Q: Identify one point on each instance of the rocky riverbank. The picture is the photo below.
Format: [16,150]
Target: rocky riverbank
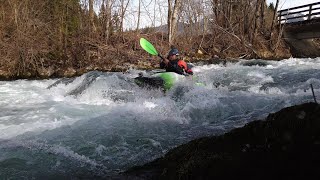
[128,54]
[285,145]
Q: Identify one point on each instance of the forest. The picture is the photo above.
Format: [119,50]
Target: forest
[62,38]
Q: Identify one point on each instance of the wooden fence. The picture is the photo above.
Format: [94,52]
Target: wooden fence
[299,13]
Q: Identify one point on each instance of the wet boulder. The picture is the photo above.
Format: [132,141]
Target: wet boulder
[284,145]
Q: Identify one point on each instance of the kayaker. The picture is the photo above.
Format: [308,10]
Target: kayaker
[175,64]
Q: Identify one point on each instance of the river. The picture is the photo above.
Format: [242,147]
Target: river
[102,123]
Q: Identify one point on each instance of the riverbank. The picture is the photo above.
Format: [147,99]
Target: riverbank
[123,56]
[285,145]
[125,53]
[142,61]
[41,40]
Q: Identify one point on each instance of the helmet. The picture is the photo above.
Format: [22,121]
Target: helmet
[173,51]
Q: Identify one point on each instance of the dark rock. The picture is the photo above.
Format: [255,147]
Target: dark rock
[285,145]
[150,82]
[262,63]
[4,75]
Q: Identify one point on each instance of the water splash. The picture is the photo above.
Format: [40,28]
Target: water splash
[101,123]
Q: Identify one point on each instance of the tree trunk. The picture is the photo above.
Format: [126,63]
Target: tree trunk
[246,19]
[154,14]
[123,12]
[139,12]
[169,20]
[106,19]
[274,17]
[15,14]
[255,19]
[262,20]
[173,19]
[272,26]
[91,16]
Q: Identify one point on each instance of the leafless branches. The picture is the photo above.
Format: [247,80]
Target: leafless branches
[43,34]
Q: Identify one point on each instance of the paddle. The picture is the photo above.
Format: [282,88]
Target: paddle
[147,46]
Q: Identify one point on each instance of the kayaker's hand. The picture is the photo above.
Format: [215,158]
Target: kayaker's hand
[186,74]
[189,71]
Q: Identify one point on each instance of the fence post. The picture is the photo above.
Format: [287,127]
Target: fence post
[280,17]
[310,12]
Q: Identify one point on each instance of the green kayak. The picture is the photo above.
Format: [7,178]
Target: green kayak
[164,80]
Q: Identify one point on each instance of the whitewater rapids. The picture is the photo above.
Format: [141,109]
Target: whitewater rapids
[100,124]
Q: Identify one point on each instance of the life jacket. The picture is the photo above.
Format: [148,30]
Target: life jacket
[184,65]
[178,66]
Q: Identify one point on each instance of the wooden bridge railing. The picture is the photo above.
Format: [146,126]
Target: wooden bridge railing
[296,13]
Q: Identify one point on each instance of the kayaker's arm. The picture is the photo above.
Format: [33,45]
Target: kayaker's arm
[180,70]
[165,63]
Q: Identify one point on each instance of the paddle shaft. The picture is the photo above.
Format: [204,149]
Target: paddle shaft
[161,57]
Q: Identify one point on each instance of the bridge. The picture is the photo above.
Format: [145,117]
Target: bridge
[302,22]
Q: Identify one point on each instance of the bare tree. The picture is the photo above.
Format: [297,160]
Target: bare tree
[274,17]
[91,16]
[154,13]
[262,14]
[106,18]
[173,12]
[146,6]
[194,21]
[255,21]
[123,8]
[139,14]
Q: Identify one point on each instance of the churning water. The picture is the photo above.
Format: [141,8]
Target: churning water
[100,124]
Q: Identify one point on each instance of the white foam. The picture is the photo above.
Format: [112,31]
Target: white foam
[55,149]
[27,106]
[149,105]
[124,124]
